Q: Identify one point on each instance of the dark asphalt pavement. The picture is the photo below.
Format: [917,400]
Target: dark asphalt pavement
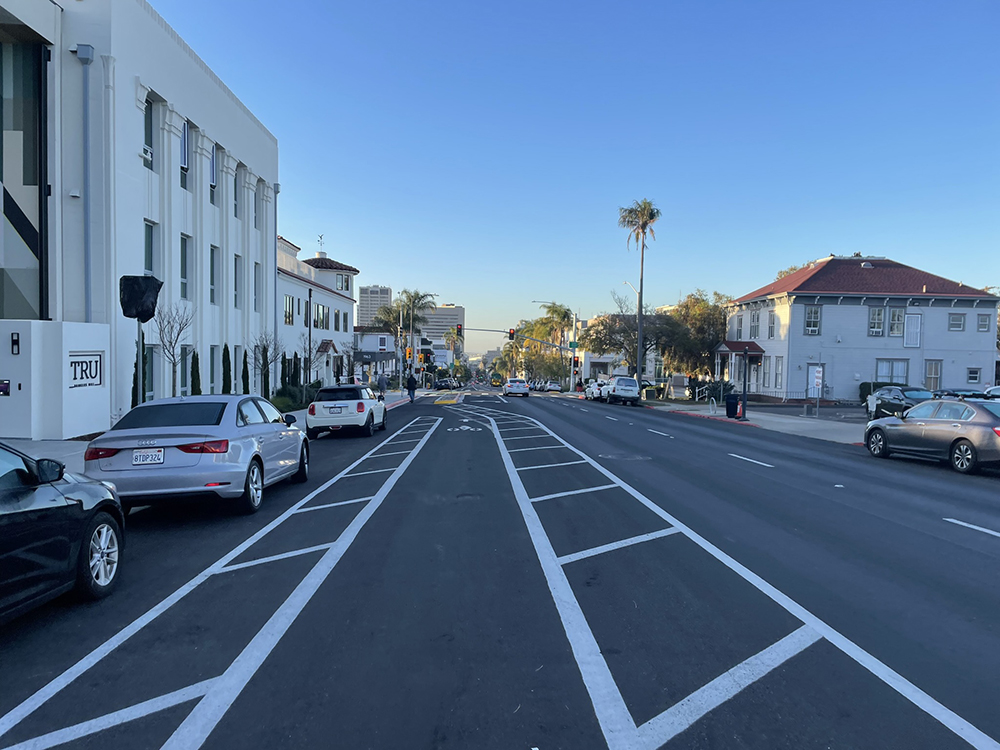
[544,573]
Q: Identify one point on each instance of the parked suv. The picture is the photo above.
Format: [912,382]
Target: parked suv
[339,406]
[894,399]
[621,389]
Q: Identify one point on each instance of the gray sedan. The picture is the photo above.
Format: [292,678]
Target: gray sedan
[966,433]
[224,446]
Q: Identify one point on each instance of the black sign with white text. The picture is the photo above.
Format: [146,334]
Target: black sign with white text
[86,369]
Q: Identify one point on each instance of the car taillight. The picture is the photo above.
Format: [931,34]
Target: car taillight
[995,429]
[361,407]
[312,410]
[93,454]
[209,446]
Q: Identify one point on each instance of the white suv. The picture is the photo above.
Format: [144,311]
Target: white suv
[621,389]
[515,386]
[338,406]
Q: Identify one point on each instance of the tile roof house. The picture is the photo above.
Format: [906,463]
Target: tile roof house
[859,319]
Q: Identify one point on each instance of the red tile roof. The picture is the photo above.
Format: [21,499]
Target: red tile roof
[309,281]
[328,264]
[835,275]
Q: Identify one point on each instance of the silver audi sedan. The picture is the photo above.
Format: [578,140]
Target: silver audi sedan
[225,446]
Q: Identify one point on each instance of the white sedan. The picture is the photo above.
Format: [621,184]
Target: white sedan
[515,387]
[339,406]
[593,390]
[553,386]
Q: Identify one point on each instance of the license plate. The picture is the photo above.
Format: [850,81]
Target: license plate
[333,409]
[146,456]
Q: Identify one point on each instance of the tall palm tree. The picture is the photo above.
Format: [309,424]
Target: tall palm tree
[412,304]
[638,219]
[556,320]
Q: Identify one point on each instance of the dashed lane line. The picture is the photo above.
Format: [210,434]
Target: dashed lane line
[972,526]
[750,460]
[613,419]
[550,466]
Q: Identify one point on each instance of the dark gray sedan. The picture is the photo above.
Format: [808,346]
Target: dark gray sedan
[966,433]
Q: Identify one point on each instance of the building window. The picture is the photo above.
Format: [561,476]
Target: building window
[974,375]
[213,368]
[185,153]
[237,276]
[770,324]
[185,373]
[896,318]
[321,317]
[755,324]
[779,372]
[147,142]
[739,327]
[911,331]
[236,193]
[213,179]
[347,282]
[289,310]
[336,320]
[213,274]
[185,266]
[876,321]
[892,371]
[956,321]
[150,249]
[340,282]
[983,323]
[813,318]
[300,305]
[382,342]
[766,369]
[257,280]
[932,374]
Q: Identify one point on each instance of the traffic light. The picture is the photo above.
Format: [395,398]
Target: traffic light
[409,353]
[510,334]
[458,330]
[576,362]
[421,357]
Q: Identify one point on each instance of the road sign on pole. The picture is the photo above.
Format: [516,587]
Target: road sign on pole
[818,377]
[572,345]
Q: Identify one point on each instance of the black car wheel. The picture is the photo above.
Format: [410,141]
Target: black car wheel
[312,433]
[877,444]
[963,457]
[369,429]
[302,474]
[385,415]
[99,564]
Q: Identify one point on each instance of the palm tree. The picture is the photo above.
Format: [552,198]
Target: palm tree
[556,320]
[412,304]
[638,219]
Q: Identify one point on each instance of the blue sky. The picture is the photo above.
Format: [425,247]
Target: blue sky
[481,150]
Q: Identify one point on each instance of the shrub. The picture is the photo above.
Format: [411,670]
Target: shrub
[284,404]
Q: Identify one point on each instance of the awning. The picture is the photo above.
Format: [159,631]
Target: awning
[737,347]
[326,346]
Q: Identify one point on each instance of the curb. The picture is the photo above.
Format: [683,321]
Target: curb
[714,419]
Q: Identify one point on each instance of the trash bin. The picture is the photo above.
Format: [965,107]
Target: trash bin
[732,405]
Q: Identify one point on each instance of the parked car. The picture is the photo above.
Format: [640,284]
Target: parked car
[621,389]
[993,392]
[894,399]
[552,385]
[337,407]
[965,433]
[225,446]
[441,385]
[515,387]
[959,392]
[593,390]
[58,532]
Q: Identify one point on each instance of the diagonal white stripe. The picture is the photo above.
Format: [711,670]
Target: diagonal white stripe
[584,554]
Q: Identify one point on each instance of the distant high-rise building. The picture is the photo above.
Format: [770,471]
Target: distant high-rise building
[441,319]
[370,299]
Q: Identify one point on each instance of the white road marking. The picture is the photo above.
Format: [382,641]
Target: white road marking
[536,448]
[86,728]
[550,466]
[373,471]
[274,558]
[605,416]
[657,432]
[393,441]
[744,458]
[334,505]
[518,429]
[682,715]
[972,526]
[584,491]
[394,453]
[581,408]
[526,437]
[204,717]
[584,554]
[13,717]
[616,722]
[499,397]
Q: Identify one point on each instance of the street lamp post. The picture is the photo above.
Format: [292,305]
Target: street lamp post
[639,358]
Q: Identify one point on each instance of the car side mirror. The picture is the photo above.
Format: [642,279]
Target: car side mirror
[290,420]
[381,397]
[48,470]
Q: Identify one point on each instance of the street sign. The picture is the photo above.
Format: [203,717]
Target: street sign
[572,345]
[818,377]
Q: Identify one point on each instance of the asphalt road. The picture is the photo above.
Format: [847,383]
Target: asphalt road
[540,573]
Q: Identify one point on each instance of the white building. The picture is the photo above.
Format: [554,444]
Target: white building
[441,319]
[370,299]
[328,284]
[860,319]
[158,170]
[376,353]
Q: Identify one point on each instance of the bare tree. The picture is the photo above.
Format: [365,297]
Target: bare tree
[172,323]
[309,355]
[266,351]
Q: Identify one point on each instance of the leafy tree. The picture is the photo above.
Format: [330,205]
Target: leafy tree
[638,219]
[227,370]
[195,374]
[617,332]
[704,319]
[246,373]
[789,271]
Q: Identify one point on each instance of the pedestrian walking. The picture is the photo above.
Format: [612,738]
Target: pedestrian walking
[383,384]
[411,386]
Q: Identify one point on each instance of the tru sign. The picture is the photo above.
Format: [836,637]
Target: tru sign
[85,369]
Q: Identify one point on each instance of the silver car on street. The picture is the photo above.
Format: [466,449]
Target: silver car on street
[965,433]
[225,446]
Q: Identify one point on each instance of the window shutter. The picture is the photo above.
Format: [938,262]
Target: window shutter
[911,335]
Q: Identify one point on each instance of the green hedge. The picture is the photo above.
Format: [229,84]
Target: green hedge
[867,387]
